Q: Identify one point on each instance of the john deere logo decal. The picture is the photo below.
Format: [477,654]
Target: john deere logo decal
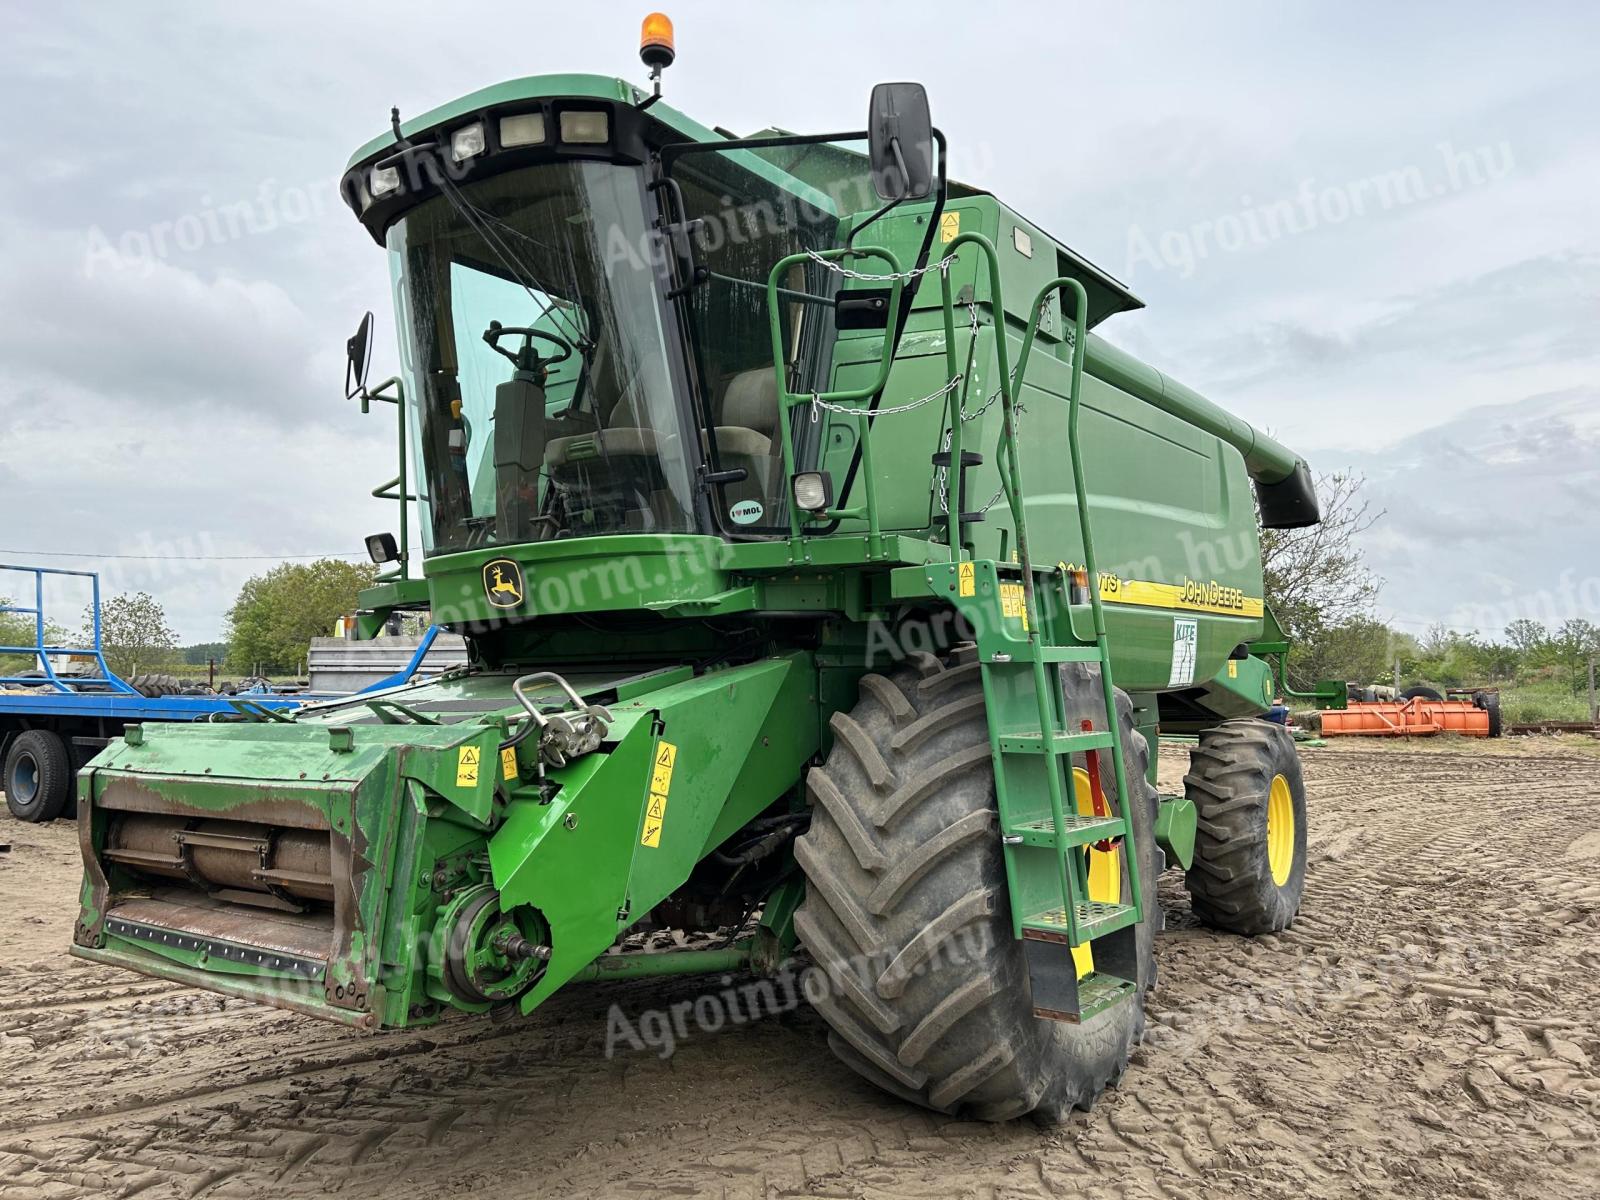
[502,583]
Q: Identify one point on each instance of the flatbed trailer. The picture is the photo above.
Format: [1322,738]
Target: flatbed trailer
[52,722]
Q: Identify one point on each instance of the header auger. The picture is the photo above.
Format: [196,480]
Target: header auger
[827,581]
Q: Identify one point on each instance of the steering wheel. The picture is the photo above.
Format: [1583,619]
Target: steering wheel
[522,359]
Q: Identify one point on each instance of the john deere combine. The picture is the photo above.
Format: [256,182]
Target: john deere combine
[827,583]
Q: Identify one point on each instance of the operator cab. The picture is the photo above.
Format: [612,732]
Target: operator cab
[581,296]
[536,359]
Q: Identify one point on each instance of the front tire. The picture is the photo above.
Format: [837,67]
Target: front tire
[908,916]
[1249,869]
[38,776]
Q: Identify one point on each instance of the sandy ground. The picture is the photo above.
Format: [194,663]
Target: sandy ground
[1429,1028]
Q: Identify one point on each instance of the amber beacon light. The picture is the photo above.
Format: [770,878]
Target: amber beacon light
[655,43]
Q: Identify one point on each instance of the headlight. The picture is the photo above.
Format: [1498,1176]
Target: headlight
[813,491]
[585,128]
[385,180]
[468,142]
[524,129]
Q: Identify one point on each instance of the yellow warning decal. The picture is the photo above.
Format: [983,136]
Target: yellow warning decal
[949,225]
[966,578]
[508,763]
[655,809]
[1233,669]
[655,816]
[467,766]
[1013,603]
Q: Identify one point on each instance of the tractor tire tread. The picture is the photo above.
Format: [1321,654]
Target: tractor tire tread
[907,918]
[1230,883]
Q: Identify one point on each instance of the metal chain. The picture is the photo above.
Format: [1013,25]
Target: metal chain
[941,266]
[1017,407]
[943,475]
[818,403]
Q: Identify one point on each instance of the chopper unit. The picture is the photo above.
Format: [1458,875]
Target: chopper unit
[769,480]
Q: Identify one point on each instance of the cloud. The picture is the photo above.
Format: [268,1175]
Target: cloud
[194,394]
[1535,316]
[1490,516]
[154,335]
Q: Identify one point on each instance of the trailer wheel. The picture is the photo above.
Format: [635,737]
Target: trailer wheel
[1421,693]
[1490,703]
[1250,852]
[907,915]
[38,776]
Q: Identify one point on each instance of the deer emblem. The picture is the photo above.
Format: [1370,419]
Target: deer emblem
[502,581]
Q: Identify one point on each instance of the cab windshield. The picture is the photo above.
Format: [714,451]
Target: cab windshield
[535,361]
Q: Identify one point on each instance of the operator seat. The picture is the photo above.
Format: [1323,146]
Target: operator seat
[620,434]
[747,431]
[630,454]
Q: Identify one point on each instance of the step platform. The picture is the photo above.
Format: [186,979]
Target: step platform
[1061,993]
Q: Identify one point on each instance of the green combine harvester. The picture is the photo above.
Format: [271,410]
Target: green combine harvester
[827,581]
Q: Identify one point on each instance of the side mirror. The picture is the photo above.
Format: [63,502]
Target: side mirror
[900,139]
[358,358]
[382,548]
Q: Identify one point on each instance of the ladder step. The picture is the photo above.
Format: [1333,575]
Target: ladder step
[1024,656]
[1096,993]
[1095,919]
[1075,831]
[1031,741]
[1061,654]
[1059,994]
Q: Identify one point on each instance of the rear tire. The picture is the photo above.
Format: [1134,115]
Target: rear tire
[907,913]
[1249,871]
[1421,693]
[38,776]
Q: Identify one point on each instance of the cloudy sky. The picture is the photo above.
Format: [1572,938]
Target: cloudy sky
[1370,228]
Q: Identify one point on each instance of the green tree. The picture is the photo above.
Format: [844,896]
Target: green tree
[201,653]
[1573,644]
[1447,658]
[17,629]
[1526,636]
[134,635]
[1320,588]
[1359,651]
[1438,641]
[1497,662]
[272,622]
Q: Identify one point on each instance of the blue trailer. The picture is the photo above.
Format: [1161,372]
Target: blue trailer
[54,720]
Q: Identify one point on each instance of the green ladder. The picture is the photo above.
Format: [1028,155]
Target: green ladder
[1046,835]
[1045,831]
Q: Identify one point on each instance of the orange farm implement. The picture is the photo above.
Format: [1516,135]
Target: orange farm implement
[1416,716]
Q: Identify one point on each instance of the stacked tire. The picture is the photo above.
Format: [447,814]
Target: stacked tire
[155,686]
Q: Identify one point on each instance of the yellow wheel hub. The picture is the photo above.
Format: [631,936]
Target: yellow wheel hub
[1280,830]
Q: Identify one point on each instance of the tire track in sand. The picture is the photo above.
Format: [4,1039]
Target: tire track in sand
[1426,1028]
